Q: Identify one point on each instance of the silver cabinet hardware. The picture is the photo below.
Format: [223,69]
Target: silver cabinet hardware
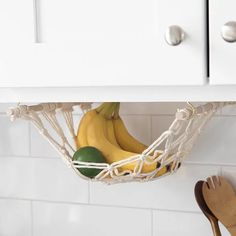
[174,35]
[228,31]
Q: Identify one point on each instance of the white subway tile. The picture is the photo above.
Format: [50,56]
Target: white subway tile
[5,106]
[40,147]
[230,174]
[223,230]
[15,218]
[167,223]
[160,124]
[44,179]
[65,219]
[229,110]
[14,137]
[139,127]
[151,108]
[216,143]
[174,192]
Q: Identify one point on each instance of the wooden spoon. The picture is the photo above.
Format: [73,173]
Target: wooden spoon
[206,211]
[221,199]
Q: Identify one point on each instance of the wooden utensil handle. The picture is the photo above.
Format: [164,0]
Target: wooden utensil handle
[215,228]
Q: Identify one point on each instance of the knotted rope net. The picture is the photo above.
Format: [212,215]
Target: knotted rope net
[55,122]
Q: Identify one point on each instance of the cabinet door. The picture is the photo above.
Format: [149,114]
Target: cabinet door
[222,53]
[104,42]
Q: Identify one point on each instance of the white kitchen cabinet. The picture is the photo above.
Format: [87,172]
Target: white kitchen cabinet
[72,43]
[222,53]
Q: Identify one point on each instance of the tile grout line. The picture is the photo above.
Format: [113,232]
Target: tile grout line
[32,218]
[3,114]
[30,148]
[150,129]
[152,223]
[221,171]
[186,162]
[147,114]
[207,41]
[100,205]
[190,163]
[89,192]
[30,156]
[221,113]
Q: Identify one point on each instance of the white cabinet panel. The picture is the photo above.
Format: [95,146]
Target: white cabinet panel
[222,53]
[98,20]
[100,43]
[16,22]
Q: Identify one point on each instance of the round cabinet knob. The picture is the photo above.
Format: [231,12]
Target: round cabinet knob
[174,35]
[228,32]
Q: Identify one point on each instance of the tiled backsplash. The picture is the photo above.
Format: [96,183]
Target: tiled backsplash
[41,196]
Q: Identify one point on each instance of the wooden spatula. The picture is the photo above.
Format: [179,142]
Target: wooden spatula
[206,211]
[221,199]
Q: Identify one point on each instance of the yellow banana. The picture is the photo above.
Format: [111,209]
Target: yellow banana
[82,130]
[96,138]
[125,139]
[106,110]
[110,133]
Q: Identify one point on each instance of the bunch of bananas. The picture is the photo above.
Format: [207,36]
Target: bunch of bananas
[104,129]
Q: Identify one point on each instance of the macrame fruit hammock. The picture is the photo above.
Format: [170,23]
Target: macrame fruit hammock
[100,148]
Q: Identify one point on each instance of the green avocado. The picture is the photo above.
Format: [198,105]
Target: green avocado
[89,154]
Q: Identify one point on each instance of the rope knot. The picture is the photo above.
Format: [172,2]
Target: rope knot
[63,150]
[142,157]
[110,168]
[43,131]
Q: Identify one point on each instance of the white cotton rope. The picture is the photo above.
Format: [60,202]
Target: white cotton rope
[178,140]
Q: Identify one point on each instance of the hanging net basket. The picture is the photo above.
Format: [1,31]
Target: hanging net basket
[55,122]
